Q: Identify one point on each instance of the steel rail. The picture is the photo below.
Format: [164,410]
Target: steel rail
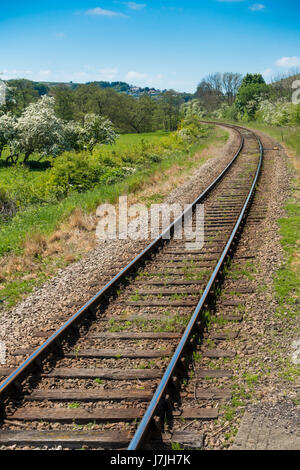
[34,360]
[140,434]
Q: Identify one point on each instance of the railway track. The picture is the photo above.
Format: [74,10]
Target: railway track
[111,377]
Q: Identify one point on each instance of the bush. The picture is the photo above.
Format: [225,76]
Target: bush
[191,129]
[278,113]
[74,171]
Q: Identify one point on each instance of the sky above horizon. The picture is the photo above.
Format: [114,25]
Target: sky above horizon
[164,44]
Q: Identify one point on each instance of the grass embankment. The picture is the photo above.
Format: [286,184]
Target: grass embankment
[287,279]
[46,235]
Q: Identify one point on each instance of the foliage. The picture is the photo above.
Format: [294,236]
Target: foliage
[72,136]
[7,130]
[97,130]
[192,108]
[38,130]
[191,129]
[266,104]
[228,112]
[279,113]
[127,113]
[253,89]
[169,111]
[218,88]
[73,171]
[21,93]
[252,79]
[79,171]
[148,110]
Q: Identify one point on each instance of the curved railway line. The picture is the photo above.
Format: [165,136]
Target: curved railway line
[111,377]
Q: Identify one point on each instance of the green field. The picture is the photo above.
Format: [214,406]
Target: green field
[131,139]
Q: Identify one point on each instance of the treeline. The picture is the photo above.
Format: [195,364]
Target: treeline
[234,97]
[218,88]
[128,114]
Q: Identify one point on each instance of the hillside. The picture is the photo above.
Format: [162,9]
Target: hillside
[120,87]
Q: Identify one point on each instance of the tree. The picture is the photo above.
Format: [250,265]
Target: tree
[170,103]
[39,130]
[97,130]
[72,136]
[20,94]
[64,102]
[192,109]
[7,130]
[218,88]
[252,90]
[209,94]
[253,79]
[231,83]
[215,81]
[140,113]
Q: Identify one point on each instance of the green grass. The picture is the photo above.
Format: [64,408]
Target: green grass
[74,405]
[133,139]
[287,278]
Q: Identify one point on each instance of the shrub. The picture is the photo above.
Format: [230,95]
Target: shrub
[278,113]
[191,129]
[74,171]
[97,130]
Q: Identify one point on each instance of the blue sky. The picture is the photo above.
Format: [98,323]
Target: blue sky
[165,44]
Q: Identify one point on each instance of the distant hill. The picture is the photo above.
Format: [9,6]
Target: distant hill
[120,87]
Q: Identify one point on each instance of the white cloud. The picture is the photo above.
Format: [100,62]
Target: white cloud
[108,73]
[135,6]
[288,62]
[81,76]
[143,79]
[60,35]
[16,73]
[102,12]
[45,73]
[257,7]
[136,76]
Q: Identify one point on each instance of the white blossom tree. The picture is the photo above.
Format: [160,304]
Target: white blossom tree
[39,130]
[72,136]
[278,113]
[97,130]
[7,130]
[192,109]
